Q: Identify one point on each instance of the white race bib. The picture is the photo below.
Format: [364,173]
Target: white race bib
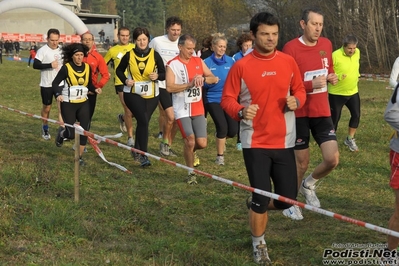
[119,55]
[78,94]
[143,88]
[192,95]
[310,75]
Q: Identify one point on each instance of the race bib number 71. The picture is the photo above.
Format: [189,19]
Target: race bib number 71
[78,94]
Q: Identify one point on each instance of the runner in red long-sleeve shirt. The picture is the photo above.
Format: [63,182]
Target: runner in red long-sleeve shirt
[270,88]
[313,55]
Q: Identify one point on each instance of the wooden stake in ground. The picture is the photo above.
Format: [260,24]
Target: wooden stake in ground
[77,165]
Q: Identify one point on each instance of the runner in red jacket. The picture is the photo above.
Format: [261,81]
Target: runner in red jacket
[97,66]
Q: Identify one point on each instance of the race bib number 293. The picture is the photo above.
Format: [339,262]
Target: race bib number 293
[192,95]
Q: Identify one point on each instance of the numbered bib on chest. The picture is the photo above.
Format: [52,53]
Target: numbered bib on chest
[143,88]
[77,94]
[192,95]
[310,75]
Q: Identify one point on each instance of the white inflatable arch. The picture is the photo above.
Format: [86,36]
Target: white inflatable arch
[50,6]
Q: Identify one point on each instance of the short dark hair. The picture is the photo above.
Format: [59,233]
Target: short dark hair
[265,18]
[123,28]
[307,10]
[350,39]
[184,38]
[207,42]
[53,31]
[172,21]
[140,30]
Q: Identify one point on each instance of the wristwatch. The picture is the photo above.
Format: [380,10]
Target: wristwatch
[240,114]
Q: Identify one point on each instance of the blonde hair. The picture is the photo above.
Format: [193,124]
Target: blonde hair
[218,37]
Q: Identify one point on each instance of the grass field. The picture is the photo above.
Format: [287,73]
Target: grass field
[152,217]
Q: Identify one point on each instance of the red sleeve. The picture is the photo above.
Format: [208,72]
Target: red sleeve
[331,66]
[231,91]
[297,86]
[103,69]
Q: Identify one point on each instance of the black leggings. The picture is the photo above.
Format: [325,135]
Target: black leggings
[92,101]
[337,102]
[142,110]
[225,125]
[72,112]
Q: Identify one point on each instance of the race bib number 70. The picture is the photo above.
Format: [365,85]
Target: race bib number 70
[143,88]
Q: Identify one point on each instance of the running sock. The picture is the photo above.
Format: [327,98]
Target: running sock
[45,127]
[256,240]
[220,154]
[310,181]
[349,137]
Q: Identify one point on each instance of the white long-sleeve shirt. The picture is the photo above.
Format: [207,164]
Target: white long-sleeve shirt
[393,79]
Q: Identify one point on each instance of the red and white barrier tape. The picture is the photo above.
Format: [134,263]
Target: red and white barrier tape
[99,138]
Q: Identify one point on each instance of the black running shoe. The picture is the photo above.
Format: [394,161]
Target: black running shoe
[59,139]
[144,161]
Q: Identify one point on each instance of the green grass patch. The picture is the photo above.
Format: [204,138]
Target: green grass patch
[152,217]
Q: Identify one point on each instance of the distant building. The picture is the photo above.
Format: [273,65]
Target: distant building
[34,21]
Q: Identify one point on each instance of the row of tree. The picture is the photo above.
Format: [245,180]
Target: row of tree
[374,22]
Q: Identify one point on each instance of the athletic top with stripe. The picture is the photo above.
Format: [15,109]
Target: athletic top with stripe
[237,56]
[184,73]
[139,66]
[349,66]
[220,68]
[78,82]
[166,49]
[312,61]
[46,56]
[266,81]
[115,53]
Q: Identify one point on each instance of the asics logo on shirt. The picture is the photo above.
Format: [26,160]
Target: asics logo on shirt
[268,73]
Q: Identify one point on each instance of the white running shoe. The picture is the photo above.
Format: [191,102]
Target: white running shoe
[261,256]
[172,153]
[293,212]
[45,134]
[219,160]
[130,142]
[310,195]
[122,124]
[351,143]
[164,149]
